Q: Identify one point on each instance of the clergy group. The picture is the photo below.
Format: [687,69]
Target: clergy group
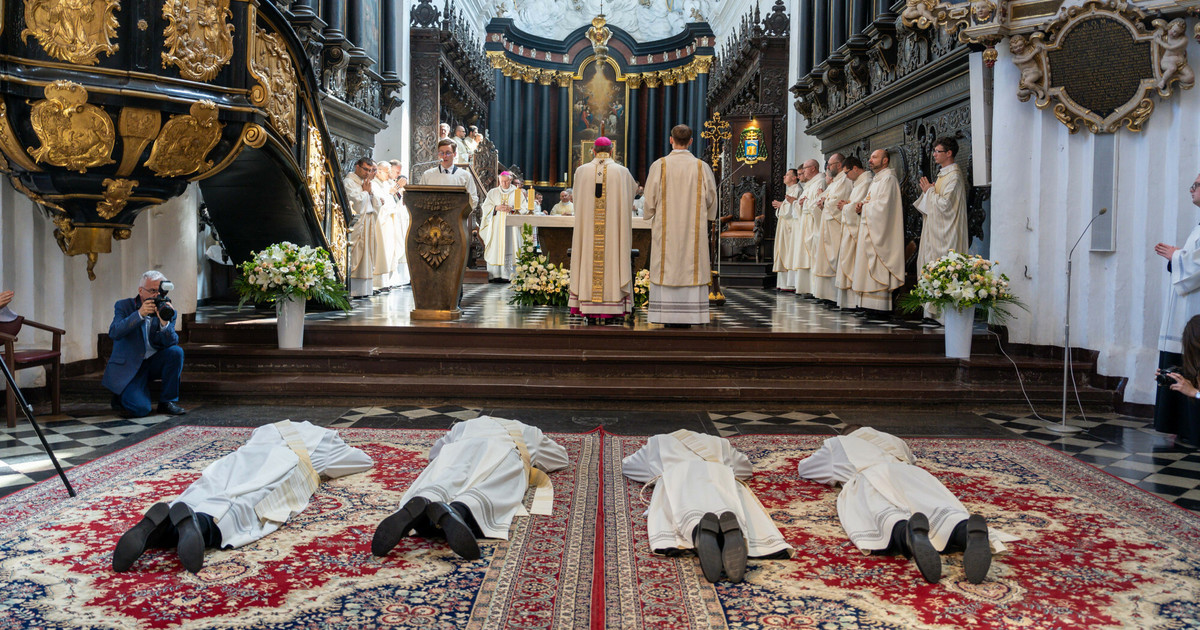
[378,258]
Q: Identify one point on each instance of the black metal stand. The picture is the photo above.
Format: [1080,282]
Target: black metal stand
[28,409]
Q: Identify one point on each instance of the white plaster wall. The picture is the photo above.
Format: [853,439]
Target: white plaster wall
[53,288]
[1042,200]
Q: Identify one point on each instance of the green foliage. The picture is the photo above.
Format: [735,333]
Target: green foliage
[286,270]
[961,281]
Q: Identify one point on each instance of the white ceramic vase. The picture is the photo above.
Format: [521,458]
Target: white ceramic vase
[959,326]
[290,318]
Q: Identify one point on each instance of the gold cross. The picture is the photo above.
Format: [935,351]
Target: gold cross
[717,131]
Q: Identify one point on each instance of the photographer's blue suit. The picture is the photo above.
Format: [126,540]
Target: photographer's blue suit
[129,370]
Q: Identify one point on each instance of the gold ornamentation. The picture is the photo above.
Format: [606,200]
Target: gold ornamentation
[1065,117]
[198,37]
[11,146]
[74,134]
[703,63]
[338,240]
[76,31]
[434,240]
[1138,116]
[716,131]
[599,35]
[652,79]
[633,80]
[90,241]
[185,141]
[38,199]
[272,66]
[316,173]
[143,25]
[138,128]
[116,196]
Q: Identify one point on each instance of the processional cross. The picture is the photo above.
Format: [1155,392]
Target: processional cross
[717,132]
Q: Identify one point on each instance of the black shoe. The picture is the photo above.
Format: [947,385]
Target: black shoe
[921,549]
[708,548]
[115,402]
[394,527]
[190,548]
[144,535]
[977,557]
[458,533]
[171,409]
[733,547]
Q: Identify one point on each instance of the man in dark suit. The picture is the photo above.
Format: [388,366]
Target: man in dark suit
[145,346]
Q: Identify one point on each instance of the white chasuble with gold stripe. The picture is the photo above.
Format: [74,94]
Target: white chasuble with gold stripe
[681,198]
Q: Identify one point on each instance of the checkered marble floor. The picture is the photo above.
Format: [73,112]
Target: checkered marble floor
[486,306]
[1123,446]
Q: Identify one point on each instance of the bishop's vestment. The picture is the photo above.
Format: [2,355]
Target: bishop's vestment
[601,243]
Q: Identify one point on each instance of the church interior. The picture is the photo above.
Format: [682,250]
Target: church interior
[957,235]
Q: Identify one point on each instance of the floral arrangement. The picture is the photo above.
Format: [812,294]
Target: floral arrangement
[961,281]
[536,281]
[288,271]
[641,288]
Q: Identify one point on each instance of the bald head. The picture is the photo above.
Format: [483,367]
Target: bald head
[833,166]
[809,170]
[879,160]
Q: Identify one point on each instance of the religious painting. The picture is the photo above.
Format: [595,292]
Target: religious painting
[597,109]
[370,32]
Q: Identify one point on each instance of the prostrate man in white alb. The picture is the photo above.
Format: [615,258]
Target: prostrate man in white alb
[474,485]
[602,239]
[367,261]
[829,230]
[699,503]
[499,242]
[806,226]
[245,495]
[888,505]
[879,259]
[785,231]
[847,298]
[944,208]
[681,199]
[565,205]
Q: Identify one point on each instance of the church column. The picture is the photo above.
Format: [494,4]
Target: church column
[544,80]
[668,115]
[820,32]
[516,119]
[495,109]
[391,40]
[837,25]
[355,29]
[804,30]
[681,100]
[654,131]
[335,19]
[882,8]
[703,64]
[564,126]
[861,16]
[632,141]
[309,7]
[528,115]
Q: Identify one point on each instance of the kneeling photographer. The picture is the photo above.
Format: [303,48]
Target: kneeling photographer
[1180,413]
[145,347]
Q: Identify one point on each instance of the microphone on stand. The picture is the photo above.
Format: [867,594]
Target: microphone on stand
[1062,426]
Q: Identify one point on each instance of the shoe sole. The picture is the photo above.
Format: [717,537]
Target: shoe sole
[191,544]
[733,548]
[928,560]
[707,547]
[397,525]
[977,557]
[458,534]
[132,543]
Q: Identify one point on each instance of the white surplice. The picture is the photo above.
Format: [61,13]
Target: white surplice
[806,233]
[879,258]
[1183,294]
[499,240]
[829,237]
[882,486]
[454,176]
[367,261]
[847,298]
[234,490]
[694,474]
[478,463]
[785,237]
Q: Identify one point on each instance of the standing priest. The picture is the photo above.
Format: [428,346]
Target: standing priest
[368,263]
[806,225]
[861,179]
[944,207]
[499,242]
[681,198]
[785,236]
[829,230]
[601,274]
[879,260]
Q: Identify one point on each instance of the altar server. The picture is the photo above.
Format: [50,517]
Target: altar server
[681,198]
[879,259]
[847,298]
[827,245]
[888,505]
[700,501]
[601,266]
[1172,412]
[944,208]
[806,226]
[474,485]
[785,234]
[447,174]
[245,495]
[499,242]
[367,261]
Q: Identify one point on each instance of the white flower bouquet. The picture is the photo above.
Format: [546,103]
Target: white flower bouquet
[536,281]
[641,288]
[960,281]
[289,271]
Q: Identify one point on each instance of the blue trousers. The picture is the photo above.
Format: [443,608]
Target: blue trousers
[166,365]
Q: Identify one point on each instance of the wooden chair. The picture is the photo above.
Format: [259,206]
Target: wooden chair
[21,359]
[742,227]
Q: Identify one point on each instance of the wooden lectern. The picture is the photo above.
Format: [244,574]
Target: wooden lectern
[438,242]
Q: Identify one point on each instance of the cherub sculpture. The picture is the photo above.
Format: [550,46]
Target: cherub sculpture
[919,12]
[1026,56]
[1172,50]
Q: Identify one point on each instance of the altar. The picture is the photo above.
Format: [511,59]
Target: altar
[554,235]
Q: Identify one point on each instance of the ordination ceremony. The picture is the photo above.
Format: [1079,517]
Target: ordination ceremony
[600,314]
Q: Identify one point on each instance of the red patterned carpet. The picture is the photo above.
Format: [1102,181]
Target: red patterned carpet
[316,572]
[1095,551]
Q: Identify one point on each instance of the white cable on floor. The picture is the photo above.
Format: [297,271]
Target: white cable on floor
[1021,382]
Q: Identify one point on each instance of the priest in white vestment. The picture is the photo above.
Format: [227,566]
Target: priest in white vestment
[806,227]
[565,206]
[1172,412]
[944,207]
[474,485]
[462,151]
[700,501]
[879,258]
[681,199]
[861,178]
[829,230]
[245,495]
[888,505]
[602,241]
[388,222]
[499,242]
[368,263]
[785,234]
[639,202]
[399,266]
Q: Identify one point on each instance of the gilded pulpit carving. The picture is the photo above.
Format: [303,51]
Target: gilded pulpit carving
[198,37]
[185,141]
[74,134]
[76,31]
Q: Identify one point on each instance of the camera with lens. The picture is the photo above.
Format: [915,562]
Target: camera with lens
[162,303]
[1162,378]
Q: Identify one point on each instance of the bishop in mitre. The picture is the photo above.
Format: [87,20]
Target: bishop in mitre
[474,485]
[785,236]
[700,501]
[879,259]
[601,268]
[500,242]
[829,230]
[889,506]
[245,495]
[861,178]
[368,262]
[681,198]
[943,205]
[804,252]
